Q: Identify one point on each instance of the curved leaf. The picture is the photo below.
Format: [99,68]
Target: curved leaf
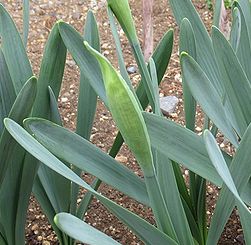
[14,51]
[241,171]
[81,231]
[171,139]
[206,96]
[12,167]
[126,113]
[237,86]
[205,56]
[146,232]
[86,62]
[77,151]
[222,168]
[7,91]
[20,110]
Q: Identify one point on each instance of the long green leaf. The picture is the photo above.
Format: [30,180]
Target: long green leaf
[46,206]
[171,139]
[20,110]
[241,171]
[86,62]
[146,232]
[121,61]
[87,101]
[166,177]
[51,72]
[14,51]
[237,86]
[217,12]
[205,56]
[7,92]
[57,188]
[244,48]
[245,6]
[26,19]
[187,44]
[12,165]
[87,98]
[81,153]
[81,231]
[54,112]
[235,29]
[161,57]
[222,168]
[206,96]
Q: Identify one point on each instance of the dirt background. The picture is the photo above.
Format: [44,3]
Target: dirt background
[43,15]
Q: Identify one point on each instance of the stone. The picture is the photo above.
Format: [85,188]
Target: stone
[131,69]
[121,159]
[168,104]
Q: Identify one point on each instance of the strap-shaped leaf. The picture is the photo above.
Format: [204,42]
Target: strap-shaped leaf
[47,207]
[180,145]
[244,48]
[206,95]
[187,44]
[87,98]
[54,112]
[86,62]
[7,92]
[205,56]
[241,171]
[20,110]
[26,19]
[245,6]
[235,29]
[229,184]
[11,168]
[14,51]
[81,231]
[217,12]
[76,150]
[121,61]
[87,101]
[145,231]
[237,86]
[51,72]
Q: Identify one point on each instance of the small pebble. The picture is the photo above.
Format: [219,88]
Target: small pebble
[121,159]
[131,69]
[64,99]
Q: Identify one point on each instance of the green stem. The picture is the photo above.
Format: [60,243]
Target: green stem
[159,208]
[146,79]
[201,209]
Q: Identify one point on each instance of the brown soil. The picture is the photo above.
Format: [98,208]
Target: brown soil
[43,16]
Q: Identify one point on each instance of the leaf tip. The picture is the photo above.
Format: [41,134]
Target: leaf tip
[56,219]
[60,21]
[6,121]
[183,54]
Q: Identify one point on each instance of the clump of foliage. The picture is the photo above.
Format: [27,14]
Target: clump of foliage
[216,75]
